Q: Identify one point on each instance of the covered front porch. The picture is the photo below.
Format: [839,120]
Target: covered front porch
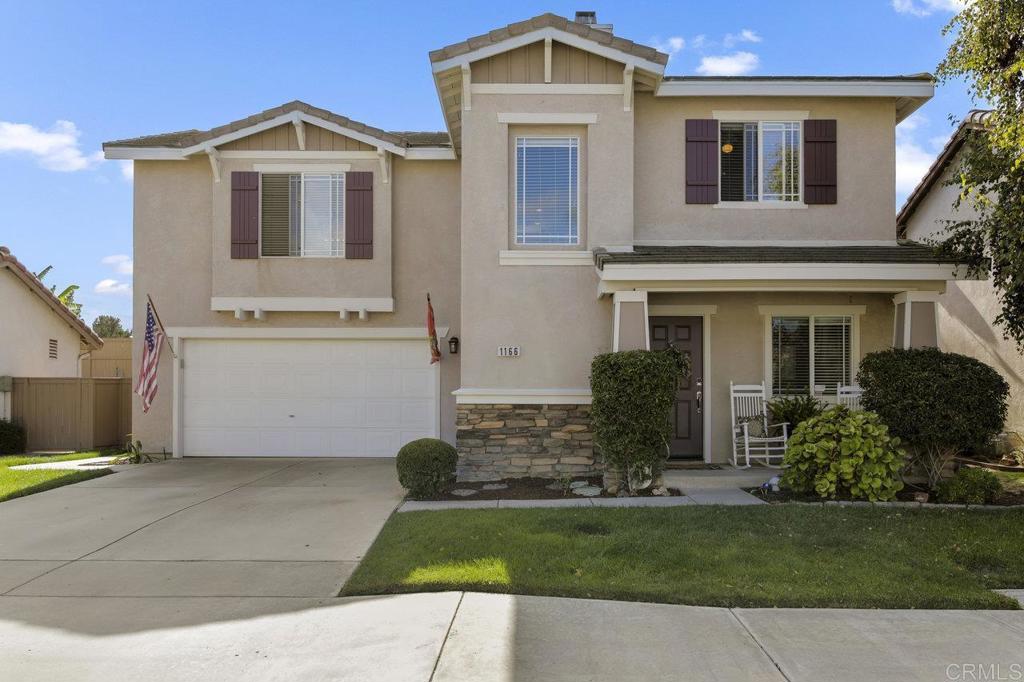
[797,324]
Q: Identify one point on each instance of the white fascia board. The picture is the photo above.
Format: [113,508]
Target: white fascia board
[796,88]
[522,396]
[303,304]
[555,34]
[775,271]
[530,257]
[302,332]
[430,154]
[143,154]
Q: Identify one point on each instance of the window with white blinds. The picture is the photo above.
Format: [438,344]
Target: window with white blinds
[759,161]
[810,351]
[302,214]
[547,190]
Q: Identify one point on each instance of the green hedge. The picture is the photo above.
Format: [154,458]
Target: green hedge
[970,485]
[634,393]
[426,467]
[13,439]
[940,404]
[841,453]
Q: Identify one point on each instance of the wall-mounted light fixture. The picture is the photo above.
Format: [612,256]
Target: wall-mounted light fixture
[453,345]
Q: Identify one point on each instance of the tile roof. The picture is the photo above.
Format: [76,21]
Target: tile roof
[904,252]
[15,267]
[549,20]
[189,138]
[976,119]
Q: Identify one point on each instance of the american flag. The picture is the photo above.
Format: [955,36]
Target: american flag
[146,388]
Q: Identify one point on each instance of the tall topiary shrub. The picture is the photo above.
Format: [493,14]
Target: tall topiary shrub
[633,396]
[939,404]
[841,453]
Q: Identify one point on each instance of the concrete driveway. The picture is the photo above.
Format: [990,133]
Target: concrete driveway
[199,528]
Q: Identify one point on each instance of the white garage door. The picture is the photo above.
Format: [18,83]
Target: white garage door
[307,398]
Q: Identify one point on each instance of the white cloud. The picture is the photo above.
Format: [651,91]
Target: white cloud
[700,42]
[735,64]
[744,36]
[128,170]
[56,149]
[912,160]
[670,46]
[121,263]
[923,8]
[113,287]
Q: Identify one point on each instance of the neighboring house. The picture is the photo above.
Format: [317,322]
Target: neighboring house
[114,360]
[580,202]
[967,309]
[39,336]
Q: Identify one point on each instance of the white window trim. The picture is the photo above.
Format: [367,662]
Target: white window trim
[303,170]
[515,190]
[854,312]
[524,256]
[769,117]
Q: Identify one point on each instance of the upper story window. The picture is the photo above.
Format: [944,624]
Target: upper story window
[547,190]
[302,214]
[760,161]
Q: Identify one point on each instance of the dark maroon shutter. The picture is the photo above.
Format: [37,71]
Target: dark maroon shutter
[358,215]
[701,161]
[820,162]
[245,214]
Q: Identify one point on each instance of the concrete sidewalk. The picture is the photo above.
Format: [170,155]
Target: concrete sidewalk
[449,637]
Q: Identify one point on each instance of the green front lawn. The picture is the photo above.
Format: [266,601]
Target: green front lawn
[784,555]
[14,483]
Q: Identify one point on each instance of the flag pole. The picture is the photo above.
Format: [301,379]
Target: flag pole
[160,323]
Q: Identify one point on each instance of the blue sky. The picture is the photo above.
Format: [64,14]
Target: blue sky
[76,74]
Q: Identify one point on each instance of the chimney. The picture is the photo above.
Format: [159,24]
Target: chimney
[590,19]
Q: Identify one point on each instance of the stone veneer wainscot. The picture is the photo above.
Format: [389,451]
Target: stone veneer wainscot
[513,441]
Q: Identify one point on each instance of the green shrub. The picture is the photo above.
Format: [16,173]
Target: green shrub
[426,467]
[13,439]
[970,485]
[794,410]
[634,393]
[841,453]
[939,403]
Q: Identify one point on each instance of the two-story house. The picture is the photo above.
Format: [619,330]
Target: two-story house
[581,201]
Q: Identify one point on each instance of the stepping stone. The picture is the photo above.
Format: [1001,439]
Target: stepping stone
[587,491]
[495,486]
[577,484]
[464,492]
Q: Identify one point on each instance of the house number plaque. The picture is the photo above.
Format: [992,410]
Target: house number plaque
[508,351]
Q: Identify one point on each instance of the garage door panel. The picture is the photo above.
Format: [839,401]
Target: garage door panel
[306,397]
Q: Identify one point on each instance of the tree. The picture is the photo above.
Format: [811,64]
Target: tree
[67,296]
[109,327]
[988,51]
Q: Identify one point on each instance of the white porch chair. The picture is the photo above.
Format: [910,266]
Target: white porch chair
[749,404]
[849,396]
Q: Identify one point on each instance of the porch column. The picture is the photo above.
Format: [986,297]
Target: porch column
[631,331]
[915,323]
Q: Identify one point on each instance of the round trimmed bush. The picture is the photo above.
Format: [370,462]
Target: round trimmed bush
[970,485]
[13,439]
[841,453]
[940,404]
[426,467]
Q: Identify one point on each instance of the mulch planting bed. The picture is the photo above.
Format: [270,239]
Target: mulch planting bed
[1007,498]
[530,489]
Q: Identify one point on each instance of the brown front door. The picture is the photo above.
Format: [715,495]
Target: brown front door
[686,334]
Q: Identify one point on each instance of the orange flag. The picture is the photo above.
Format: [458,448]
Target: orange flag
[435,350]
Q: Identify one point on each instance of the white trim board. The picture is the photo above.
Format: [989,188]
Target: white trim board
[302,332]
[796,87]
[777,271]
[522,396]
[539,257]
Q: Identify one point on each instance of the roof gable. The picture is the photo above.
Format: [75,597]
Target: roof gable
[12,265]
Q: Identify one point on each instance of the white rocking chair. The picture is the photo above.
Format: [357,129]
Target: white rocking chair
[849,396]
[750,405]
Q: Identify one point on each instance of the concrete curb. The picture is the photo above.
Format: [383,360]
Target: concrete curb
[438,505]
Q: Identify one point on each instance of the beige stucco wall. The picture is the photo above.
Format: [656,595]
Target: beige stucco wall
[866,173]
[968,309]
[737,345]
[28,325]
[182,253]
